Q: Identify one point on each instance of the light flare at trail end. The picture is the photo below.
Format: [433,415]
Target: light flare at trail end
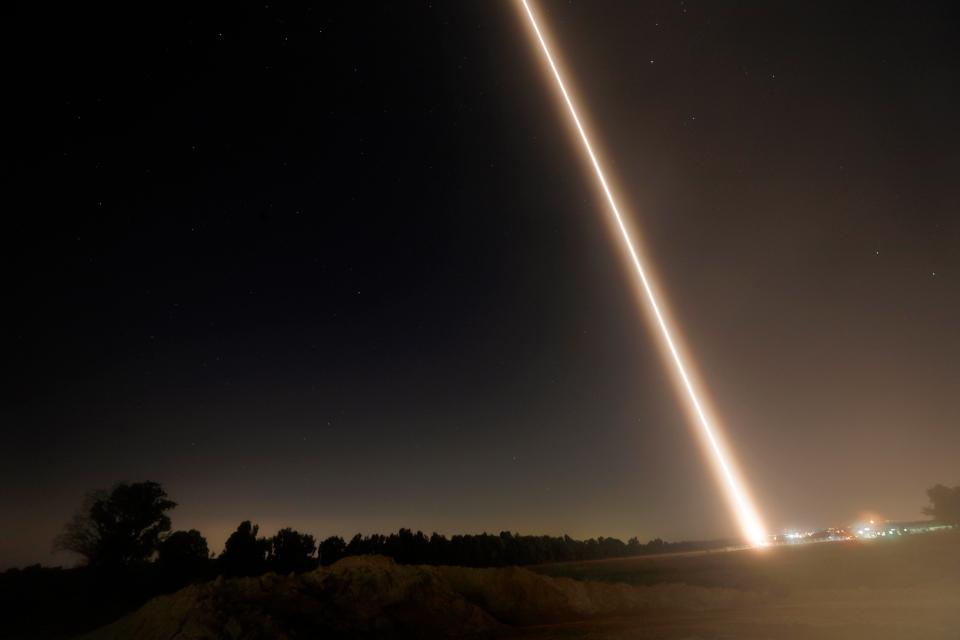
[746,514]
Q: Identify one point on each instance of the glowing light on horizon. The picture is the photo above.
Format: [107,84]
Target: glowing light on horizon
[746,514]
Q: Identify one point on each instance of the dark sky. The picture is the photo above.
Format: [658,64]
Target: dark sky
[341,268]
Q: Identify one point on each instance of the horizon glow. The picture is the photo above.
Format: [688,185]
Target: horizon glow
[745,512]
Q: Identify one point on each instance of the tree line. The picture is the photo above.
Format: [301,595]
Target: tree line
[129,525]
[131,554]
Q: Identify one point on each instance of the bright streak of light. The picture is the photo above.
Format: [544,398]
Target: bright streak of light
[746,514]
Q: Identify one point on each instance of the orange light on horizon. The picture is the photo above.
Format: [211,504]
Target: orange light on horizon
[746,514]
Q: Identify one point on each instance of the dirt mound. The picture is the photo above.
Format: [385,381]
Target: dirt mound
[373,596]
[521,597]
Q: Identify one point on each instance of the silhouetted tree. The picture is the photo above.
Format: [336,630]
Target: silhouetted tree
[356,547]
[183,553]
[292,551]
[407,547]
[244,554]
[944,504]
[117,528]
[332,549]
[439,549]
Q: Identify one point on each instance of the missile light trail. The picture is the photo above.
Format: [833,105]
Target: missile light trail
[746,514]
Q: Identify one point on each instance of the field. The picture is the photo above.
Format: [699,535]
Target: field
[899,588]
[902,588]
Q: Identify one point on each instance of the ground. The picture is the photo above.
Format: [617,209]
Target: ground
[903,588]
[899,588]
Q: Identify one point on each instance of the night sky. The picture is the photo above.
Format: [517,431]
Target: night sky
[343,269]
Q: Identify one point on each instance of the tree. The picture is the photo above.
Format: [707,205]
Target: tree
[183,552]
[356,547]
[332,549]
[944,504]
[118,528]
[245,554]
[292,551]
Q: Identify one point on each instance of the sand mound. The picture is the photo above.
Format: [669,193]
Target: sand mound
[521,597]
[372,596]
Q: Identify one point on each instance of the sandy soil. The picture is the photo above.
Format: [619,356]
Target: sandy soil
[903,588]
[906,588]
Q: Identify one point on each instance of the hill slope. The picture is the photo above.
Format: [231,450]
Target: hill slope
[373,596]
